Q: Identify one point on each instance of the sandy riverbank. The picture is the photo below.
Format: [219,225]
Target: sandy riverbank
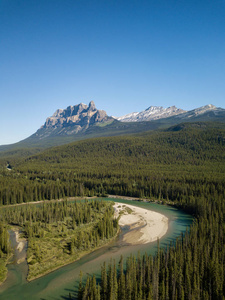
[20,247]
[145,226]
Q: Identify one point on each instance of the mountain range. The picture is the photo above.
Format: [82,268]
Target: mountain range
[158,112]
[83,121]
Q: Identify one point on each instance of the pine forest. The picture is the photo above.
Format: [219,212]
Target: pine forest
[183,166]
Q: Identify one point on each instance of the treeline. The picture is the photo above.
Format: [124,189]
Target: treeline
[52,212]
[167,182]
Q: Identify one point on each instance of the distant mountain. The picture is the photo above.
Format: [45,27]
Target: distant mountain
[72,120]
[158,112]
[83,121]
[206,110]
[151,113]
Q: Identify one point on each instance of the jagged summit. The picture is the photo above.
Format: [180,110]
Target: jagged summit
[78,114]
[91,106]
[151,113]
[72,120]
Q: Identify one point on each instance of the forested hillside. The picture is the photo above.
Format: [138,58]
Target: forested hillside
[162,165]
[184,166]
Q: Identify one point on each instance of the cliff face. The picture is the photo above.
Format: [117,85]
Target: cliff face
[81,114]
[72,120]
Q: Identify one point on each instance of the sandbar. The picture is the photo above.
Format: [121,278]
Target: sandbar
[21,247]
[145,225]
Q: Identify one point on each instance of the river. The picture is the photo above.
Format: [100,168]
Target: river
[58,284]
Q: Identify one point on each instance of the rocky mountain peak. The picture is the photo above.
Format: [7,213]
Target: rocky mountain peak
[200,111]
[73,119]
[206,107]
[151,113]
[92,106]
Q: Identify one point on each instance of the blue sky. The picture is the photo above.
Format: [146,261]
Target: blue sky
[123,55]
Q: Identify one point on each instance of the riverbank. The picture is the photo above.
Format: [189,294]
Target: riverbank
[21,245]
[130,198]
[145,226]
[74,259]
[4,270]
[59,232]
[64,280]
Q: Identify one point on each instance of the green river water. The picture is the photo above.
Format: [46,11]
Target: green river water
[58,284]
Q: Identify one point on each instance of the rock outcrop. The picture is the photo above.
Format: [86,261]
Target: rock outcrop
[72,120]
[81,115]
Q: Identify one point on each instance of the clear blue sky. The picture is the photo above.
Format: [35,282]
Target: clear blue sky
[123,55]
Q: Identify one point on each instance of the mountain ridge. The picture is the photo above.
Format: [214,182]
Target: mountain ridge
[158,112]
[83,121]
[151,113]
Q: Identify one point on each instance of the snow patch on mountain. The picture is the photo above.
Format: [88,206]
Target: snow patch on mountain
[151,113]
